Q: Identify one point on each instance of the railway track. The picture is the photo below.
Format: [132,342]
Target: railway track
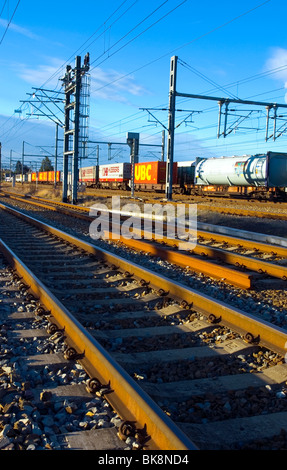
[44,401]
[236,261]
[106,377]
[218,372]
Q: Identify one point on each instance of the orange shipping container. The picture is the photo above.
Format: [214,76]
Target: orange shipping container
[43,176]
[153,173]
[51,175]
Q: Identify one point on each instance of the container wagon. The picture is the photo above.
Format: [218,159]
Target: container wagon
[44,177]
[110,176]
[115,176]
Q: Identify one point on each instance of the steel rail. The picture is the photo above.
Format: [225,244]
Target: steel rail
[50,205]
[242,242]
[229,275]
[124,395]
[241,260]
[226,210]
[244,323]
[245,212]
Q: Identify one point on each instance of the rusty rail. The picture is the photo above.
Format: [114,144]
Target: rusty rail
[234,277]
[124,395]
[240,321]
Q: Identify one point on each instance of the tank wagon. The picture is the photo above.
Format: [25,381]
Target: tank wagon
[263,175]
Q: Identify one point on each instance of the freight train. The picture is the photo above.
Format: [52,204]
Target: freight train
[261,176]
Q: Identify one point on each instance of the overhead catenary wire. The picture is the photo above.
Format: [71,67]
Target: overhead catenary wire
[142,32]
[9,22]
[228,22]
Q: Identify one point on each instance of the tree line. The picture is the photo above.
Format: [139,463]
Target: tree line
[46,165]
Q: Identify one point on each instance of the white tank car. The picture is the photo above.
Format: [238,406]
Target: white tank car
[269,170]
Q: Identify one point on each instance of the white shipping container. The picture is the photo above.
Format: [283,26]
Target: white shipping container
[87,174]
[115,172]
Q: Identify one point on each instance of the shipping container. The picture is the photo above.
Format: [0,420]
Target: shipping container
[88,174]
[185,173]
[43,176]
[119,172]
[153,173]
[51,176]
[18,178]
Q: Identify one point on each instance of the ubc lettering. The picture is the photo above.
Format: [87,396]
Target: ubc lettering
[143,172]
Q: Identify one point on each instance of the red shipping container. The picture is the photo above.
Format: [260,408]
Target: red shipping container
[153,173]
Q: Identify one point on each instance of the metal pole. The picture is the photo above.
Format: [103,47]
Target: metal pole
[162,145]
[267,122]
[75,162]
[0,164]
[133,168]
[10,165]
[66,133]
[274,125]
[219,119]
[225,119]
[98,162]
[56,156]
[22,174]
[171,121]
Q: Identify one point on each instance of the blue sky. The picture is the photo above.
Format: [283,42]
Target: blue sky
[224,49]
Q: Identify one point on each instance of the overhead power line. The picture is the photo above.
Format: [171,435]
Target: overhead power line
[8,24]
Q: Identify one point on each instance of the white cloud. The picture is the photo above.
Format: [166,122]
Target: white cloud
[105,84]
[114,86]
[18,29]
[39,75]
[278,60]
